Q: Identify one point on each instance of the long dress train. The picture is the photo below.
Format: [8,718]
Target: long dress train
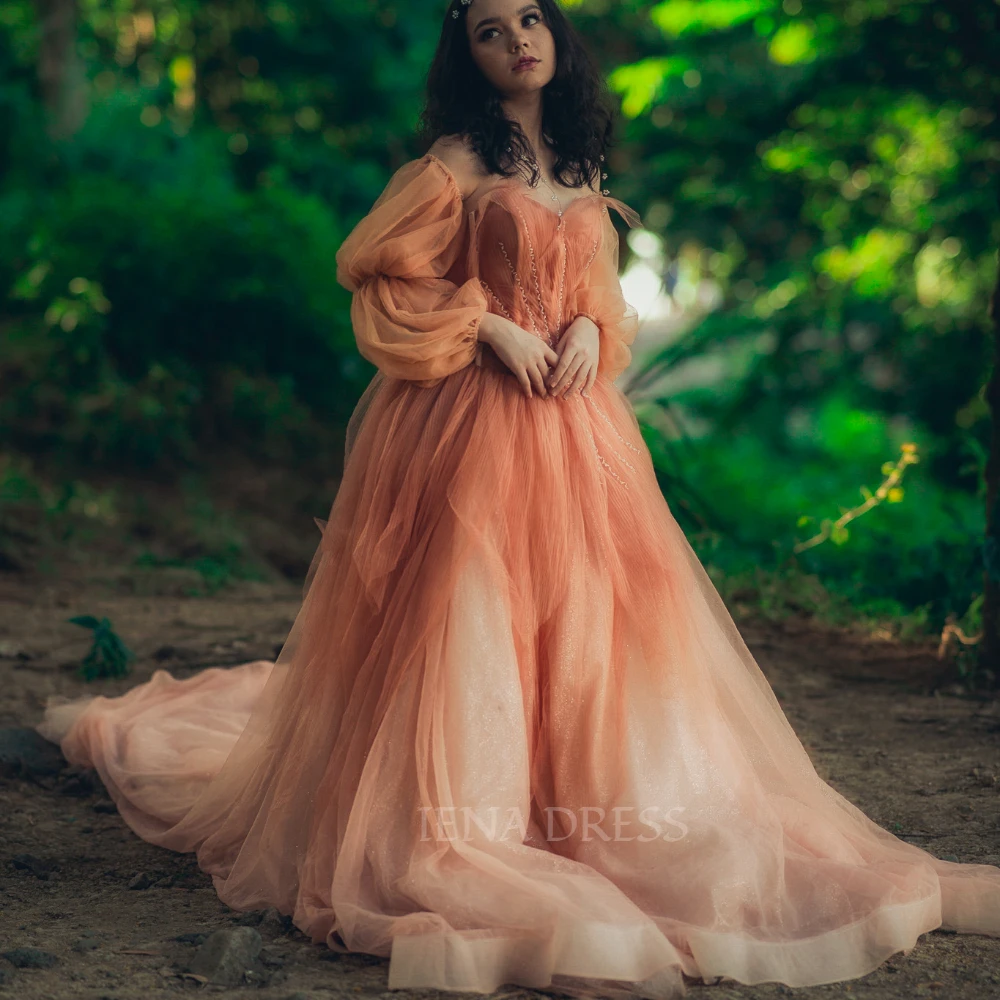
[514,735]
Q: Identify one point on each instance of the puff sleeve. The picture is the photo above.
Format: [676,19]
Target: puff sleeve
[409,318]
[599,297]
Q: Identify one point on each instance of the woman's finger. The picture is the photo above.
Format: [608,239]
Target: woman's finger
[572,374]
[537,378]
[560,371]
[564,370]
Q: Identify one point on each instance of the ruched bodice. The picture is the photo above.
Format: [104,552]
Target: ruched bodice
[534,263]
[425,266]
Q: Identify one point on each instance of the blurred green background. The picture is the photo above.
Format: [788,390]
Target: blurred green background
[818,184]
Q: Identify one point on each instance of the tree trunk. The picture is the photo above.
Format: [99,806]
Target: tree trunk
[61,74]
[990,647]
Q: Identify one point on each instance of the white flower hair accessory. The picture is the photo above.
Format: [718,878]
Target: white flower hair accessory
[464,3]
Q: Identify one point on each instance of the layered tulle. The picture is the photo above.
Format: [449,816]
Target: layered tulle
[514,735]
[424,268]
[410,317]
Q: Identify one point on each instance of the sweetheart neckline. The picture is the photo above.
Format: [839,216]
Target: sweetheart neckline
[629,214]
[512,182]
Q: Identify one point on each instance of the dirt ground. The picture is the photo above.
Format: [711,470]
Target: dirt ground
[883,722]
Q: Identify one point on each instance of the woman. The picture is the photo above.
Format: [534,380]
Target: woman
[514,736]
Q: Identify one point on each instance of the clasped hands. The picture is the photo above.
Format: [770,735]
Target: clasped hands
[569,367]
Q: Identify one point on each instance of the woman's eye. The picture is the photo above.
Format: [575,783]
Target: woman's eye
[485,36]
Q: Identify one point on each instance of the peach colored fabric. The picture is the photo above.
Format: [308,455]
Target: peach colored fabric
[424,268]
[505,625]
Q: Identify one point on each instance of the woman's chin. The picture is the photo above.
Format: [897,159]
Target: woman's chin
[522,83]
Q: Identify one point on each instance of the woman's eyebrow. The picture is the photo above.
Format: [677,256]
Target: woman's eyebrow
[491,20]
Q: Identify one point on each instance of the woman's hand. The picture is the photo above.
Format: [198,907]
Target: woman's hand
[526,355]
[579,349]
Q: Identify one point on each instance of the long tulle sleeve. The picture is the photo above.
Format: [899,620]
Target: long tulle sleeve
[409,318]
[599,297]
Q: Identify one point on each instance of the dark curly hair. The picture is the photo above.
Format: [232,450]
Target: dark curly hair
[577,118]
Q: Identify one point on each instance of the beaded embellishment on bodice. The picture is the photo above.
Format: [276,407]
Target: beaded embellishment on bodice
[558,246]
[508,225]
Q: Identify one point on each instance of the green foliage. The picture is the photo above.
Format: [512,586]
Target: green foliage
[889,491]
[920,552]
[682,17]
[215,571]
[35,512]
[827,170]
[241,325]
[963,637]
[830,170]
[108,656]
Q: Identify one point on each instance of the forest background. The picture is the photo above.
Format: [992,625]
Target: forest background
[818,183]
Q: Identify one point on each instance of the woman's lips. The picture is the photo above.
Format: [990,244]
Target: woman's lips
[527,64]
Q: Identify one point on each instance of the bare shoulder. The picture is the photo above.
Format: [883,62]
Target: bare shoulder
[455,152]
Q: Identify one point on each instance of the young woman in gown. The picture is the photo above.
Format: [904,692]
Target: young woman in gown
[514,735]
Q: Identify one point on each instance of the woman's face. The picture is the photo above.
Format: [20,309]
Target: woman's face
[502,33]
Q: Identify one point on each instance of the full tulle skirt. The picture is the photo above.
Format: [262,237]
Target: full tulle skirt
[514,735]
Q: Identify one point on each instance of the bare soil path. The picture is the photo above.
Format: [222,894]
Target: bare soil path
[122,919]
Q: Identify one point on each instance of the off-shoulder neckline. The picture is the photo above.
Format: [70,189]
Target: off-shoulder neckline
[517,186]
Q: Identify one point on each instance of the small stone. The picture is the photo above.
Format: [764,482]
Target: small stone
[191,938]
[81,785]
[271,958]
[26,753]
[273,919]
[30,958]
[227,955]
[140,881]
[86,944]
[37,866]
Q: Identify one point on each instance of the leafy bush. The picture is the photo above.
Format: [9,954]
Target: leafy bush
[158,308]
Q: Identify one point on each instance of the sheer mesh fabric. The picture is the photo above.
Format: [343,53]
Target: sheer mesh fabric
[503,619]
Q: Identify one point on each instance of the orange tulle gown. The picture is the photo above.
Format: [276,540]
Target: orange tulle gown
[514,735]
